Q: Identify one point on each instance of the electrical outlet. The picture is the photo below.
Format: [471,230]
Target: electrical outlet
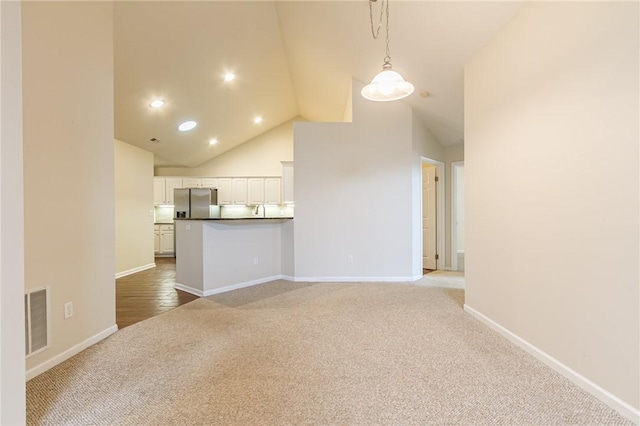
[68,310]
[349,259]
[256,260]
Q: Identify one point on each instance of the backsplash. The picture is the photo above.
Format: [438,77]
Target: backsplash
[164,214]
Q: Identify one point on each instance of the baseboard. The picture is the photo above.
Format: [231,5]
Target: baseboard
[188,289]
[134,270]
[357,279]
[241,285]
[41,368]
[603,395]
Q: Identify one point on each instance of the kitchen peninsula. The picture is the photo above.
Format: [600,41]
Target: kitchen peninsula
[215,255]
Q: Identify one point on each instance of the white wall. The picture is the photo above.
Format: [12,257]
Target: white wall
[260,156]
[355,195]
[551,159]
[69,168]
[12,364]
[134,202]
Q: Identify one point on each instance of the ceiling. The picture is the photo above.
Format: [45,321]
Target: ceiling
[290,58]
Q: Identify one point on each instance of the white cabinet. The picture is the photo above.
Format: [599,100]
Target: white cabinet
[272,191]
[163,239]
[287,182]
[232,191]
[209,183]
[225,191]
[191,182]
[156,238]
[239,191]
[255,191]
[163,189]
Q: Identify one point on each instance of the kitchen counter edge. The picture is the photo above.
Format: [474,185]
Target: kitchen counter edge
[234,218]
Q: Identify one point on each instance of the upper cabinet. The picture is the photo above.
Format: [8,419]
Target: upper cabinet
[255,191]
[231,190]
[239,191]
[272,191]
[196,182]
[163,189]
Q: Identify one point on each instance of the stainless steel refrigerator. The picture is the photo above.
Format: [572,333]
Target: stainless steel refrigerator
[190,203]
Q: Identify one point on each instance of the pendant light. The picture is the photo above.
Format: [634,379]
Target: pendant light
[388,85]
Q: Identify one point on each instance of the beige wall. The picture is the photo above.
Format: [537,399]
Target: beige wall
[552,194]
[260,156]
[69,166]
[12,363]
[134,202]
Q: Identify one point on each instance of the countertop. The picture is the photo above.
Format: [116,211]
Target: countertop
[234,218]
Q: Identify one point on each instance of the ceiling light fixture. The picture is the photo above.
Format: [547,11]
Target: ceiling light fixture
[213,141]
[157,103]
[257,120]
[187,125]
[388,85]
[229,77]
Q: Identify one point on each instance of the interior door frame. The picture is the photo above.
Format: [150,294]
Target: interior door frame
[440,211]
[454,214]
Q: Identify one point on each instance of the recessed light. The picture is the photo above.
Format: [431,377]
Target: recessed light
[257,120]
[213,141]
[229,76]
[187,125]
[157,103]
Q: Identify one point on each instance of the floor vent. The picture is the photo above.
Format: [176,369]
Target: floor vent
[36,321]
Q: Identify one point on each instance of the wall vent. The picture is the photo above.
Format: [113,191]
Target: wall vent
[36,321]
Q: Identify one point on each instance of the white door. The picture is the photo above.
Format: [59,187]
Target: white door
[429,236]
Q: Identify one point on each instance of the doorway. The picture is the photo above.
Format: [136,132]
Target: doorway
[457,216]
[432,232]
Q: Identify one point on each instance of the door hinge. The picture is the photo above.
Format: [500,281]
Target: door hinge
[437,178]
[437,257]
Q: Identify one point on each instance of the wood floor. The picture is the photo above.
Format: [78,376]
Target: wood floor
[148,293]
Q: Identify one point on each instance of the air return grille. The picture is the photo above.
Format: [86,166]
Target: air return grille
[36,321]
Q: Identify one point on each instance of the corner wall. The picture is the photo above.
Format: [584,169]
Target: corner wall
[355,195]
[134,208]
[552,193]
[69,169]
[12,363]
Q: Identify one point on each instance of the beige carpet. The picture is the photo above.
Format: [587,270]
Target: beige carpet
[311,354]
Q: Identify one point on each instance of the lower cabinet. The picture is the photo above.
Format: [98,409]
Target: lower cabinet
[163,240]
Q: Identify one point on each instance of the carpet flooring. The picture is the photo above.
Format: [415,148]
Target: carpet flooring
[286,353]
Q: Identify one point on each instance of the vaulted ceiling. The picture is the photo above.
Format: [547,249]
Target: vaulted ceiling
[290,58]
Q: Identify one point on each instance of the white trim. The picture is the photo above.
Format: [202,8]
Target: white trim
[358,279]
[206,293]
[134,270]
[454,214]
[241,285]
[603,395]
[188,289]
[74,350]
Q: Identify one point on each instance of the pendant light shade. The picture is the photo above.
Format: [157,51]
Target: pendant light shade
[387,85]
